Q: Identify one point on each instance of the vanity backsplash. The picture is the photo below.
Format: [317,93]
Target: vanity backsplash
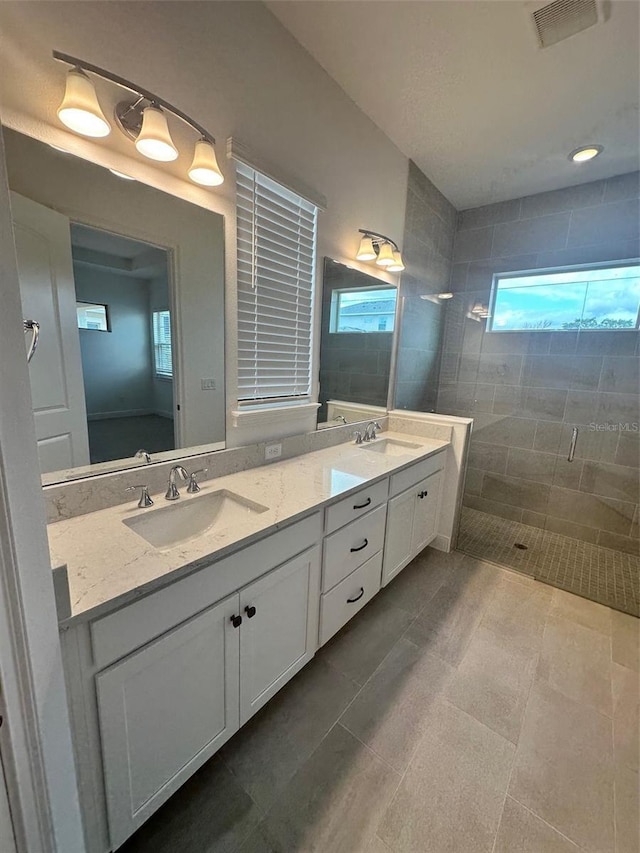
[78,497]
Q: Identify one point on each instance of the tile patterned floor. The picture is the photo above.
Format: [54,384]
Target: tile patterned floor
[601,574]
[467,709]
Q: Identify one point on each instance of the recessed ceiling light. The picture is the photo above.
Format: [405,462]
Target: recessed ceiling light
[585,152]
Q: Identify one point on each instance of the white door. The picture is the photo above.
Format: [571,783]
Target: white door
[279,631]
[425,521]
[47,290]
[7,840]
[164,711]
[397,546]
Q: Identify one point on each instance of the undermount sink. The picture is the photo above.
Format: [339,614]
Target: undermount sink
[178,522]
[390,446]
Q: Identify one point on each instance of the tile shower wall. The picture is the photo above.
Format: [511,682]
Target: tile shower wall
[427,249]
[526,390]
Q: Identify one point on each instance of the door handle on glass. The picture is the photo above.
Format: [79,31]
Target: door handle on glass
[572,446]
[34,327]
[357,598]
[364,545]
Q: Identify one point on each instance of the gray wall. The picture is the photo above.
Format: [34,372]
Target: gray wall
[116,365]
[427,250]
[526,390]
[353,367]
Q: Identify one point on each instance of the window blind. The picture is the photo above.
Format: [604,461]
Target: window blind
[276,272]
[162,344]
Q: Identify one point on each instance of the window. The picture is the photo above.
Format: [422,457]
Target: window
[363,310]
[276,274]
[593,298]
[93,316]
[162,360]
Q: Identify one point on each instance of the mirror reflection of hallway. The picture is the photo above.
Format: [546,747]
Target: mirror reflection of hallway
[124,322]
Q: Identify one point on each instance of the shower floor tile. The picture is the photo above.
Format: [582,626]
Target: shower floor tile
[601,574]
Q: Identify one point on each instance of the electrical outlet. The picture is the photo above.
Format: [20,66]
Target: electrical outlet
[272,451]
[207,384]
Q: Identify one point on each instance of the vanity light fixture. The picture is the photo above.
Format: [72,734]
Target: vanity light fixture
[80,110]
[585,153]
[142,117]
[154,140]
[383,250]
[445,296]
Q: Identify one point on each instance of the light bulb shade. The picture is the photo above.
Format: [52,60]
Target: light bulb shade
[80,110]
[366,252]
[397,265]
[205,170]
[385,255]
[154,140]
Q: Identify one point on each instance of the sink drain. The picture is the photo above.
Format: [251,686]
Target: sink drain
[520,546]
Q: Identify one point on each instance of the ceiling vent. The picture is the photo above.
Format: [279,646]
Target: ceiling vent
[556,21]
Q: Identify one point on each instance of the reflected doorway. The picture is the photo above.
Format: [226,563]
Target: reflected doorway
[124,323]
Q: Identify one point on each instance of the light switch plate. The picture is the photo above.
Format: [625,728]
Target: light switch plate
[272,451]
[207,384]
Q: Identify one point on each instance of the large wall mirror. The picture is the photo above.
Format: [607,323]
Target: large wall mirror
[358,325]
[127,283]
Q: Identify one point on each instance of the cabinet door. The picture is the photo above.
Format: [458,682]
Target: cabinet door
[427,504]
[279,632]
[397,547]
[164,711]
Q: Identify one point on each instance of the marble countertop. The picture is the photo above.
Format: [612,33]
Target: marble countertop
[108,564]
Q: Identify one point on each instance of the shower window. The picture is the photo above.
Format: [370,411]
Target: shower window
[577,298]
[363,310]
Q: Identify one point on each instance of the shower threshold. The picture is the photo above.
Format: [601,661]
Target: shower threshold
[600,574]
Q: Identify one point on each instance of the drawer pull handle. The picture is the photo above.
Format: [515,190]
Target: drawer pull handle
[422,495]
[236,621]
[357,598]
[362,506]
[250,611]
[360,547]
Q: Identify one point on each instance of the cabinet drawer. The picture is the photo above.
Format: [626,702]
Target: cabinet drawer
[349,547]
[134,625]
[348,509]
[349,596]
[410,476]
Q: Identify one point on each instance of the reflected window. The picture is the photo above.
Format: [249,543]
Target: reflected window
[363,310]
[93,316]
[588,298]
[163,362]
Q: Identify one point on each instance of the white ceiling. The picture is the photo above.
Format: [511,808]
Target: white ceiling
[461,87]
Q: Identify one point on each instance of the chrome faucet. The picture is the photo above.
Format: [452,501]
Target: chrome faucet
[145,498]
[340,418]
[172,490]
[143,454]
[370,430]
[357,435]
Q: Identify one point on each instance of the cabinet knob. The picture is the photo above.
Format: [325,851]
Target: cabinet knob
[422,495]
[236,621]
[250,611]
